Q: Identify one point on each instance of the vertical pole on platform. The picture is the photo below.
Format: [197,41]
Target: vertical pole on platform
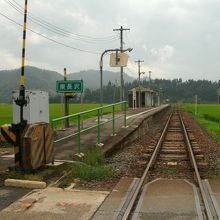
[125,114]
[66,104]
[98,127]
[196,104]
[78,134]
[113,120]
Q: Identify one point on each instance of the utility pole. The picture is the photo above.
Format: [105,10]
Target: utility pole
[122,93]
[196,105]
[139,79]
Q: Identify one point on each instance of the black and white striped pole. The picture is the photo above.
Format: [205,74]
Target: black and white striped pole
[21,101]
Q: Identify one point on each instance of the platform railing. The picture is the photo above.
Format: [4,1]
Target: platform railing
[77,118]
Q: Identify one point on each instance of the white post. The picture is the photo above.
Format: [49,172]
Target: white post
[196,102]
[134,99]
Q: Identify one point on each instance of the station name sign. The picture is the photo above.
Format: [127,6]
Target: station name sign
[64,86]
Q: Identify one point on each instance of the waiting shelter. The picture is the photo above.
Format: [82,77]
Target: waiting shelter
[146,97]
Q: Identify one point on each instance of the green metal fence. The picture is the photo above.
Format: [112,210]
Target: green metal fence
[99,114]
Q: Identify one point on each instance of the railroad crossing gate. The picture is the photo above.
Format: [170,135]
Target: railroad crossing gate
[32,140]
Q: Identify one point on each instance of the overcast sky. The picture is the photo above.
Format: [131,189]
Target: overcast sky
[175,38]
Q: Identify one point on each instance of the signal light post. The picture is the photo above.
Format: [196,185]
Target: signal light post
[101,70]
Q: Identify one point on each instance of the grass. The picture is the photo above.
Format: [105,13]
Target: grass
[91,168]
[56,111]
[170,171]
[76,108]
[5,114]
[88,172]
[215,177]
[208,115]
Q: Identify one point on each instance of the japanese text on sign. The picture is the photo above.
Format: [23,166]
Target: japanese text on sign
[75,86]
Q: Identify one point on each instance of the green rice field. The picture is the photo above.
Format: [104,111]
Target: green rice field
[56,111]
[208,115]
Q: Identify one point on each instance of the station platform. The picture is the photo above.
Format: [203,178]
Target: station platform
[89,139]
[67,149]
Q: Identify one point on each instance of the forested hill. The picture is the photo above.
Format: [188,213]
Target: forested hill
[184,91]
[37,79]
[176,90]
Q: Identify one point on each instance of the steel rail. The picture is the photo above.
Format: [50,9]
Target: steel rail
[194,165]
[150,163]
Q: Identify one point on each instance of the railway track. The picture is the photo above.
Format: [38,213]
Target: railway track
[176,147]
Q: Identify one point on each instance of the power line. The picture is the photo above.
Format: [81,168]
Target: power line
[50,39]
[58,30]
[44,21]
[130,70]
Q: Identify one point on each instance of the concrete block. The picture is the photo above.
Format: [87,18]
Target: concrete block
[25,184]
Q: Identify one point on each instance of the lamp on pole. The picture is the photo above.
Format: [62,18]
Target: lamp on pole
[139,85]
[101,69]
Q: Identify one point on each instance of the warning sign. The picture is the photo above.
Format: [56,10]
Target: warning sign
[118,60]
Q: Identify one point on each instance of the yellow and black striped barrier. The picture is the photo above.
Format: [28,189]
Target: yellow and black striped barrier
[8,135]
[35,146]
[38,148]
[2,139]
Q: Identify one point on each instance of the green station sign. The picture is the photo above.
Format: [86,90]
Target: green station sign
[64,86]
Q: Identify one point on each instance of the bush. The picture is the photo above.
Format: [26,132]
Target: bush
[94,157]
[88,172]
[211,118]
